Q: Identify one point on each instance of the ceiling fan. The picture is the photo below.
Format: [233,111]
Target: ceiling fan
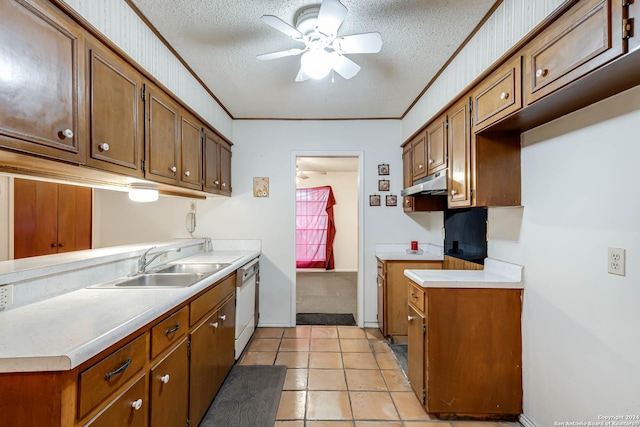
[306,174]
[317,27]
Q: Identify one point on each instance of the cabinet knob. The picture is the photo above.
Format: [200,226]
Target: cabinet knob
[504,95]
[224,185]
[409,318]
[104,146]
[216,182]
[430,161]
[165,378]
[540,72]
[136,404]
[174,169]
[223,317]
[406,202]
[454,192]
[187,173]
[420,166]
[379,285]
[214,324]
[53,245]
[413,295]
[67,133]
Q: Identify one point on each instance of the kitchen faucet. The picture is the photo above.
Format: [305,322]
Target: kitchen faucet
[143,263]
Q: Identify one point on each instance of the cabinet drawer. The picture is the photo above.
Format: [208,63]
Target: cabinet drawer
[169,331]
[214,296]
[586,37]
[415,296]
[122,412]
[498,95]
[106,376]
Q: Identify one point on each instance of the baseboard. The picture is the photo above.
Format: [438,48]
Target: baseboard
[371,325]
[525,421]
[275,325]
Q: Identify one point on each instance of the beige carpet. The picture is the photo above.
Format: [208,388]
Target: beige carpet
[326,292]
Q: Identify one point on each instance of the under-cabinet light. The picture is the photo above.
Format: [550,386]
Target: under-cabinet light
[141,192]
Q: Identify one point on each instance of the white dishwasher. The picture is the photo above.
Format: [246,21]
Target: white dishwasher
[246,287]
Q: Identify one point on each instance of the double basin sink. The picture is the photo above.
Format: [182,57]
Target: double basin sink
[179,275]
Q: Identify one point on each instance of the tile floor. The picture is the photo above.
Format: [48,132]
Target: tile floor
[341,376]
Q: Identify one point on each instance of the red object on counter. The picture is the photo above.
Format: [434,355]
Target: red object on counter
[414,245]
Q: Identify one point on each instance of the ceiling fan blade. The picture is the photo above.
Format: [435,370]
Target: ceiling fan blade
[330,17]
[345,67]
[359,43]
[302,76]
[280,25]
[281,54]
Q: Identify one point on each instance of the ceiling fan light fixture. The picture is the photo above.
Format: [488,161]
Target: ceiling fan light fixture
[316,63]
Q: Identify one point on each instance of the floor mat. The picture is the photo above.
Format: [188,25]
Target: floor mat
[325,319]
[401,353]
[249,397]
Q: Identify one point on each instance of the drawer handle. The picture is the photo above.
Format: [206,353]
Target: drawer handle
[542,72]
[409,318]
[164,379]
[214,324]
[120,370]
[504,95]
[172,330]
[136,404]
[413,295]
[223,317]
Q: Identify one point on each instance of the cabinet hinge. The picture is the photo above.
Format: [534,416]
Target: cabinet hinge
[188,422]
[424,329]
[143,92]
[627,28]
[424,395]
[470,105]
[188,355]
[626,3]
[142,164]
[446,123]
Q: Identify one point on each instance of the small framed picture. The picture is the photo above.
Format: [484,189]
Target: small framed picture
[383,185]
[261,186]
[374,200]
[391,200]
[383,169]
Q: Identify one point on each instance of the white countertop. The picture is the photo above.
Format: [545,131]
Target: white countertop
[496,275]
[62,332]
[398,252]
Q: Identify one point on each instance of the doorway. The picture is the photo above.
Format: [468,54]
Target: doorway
[333,288]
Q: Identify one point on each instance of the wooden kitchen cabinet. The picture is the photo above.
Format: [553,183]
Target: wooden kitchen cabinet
[190,151]
[459,171]
[162,138]
[584,38]
[116,112]
[169,388]
[416,203]
[498,95]
[129,409]
[419,155]
[39,96]
[50,218]
[217,164]
[465,349]
[392,295]
[436,154]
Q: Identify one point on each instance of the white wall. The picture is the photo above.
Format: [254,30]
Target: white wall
[580,325]
[264,148]
[345,213]
[119,221]
[5,206]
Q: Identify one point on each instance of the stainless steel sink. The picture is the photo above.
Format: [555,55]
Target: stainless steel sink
[206,269]
[155,280]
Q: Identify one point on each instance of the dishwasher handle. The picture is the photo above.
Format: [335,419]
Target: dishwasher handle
[247,271]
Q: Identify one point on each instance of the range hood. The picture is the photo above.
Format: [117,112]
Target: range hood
[435,185]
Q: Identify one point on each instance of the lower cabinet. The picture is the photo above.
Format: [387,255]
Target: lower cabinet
[127,410]
[169,389]
[465,351]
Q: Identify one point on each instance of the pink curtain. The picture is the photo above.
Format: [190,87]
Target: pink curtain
[315,229]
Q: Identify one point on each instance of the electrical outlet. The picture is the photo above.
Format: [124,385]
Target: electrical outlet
[6,296]
[616,261]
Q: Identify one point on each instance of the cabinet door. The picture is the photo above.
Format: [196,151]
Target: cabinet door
[190,151]
[116,113]
[459,172]
[416,357]
[128,410]
[225,168]
[203,372]
[211,162]
[74,218]
[419,150]
[407,167]
[161,146]
[38,88]
[586,37]
[226,340]
[35,218]
[169,398]
[436,155]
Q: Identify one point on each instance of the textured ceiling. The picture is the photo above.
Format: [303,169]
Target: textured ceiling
[220,39]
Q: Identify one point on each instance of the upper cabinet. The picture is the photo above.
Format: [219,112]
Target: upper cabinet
[217,164]
[418,155]
[581,40]
[190,151]
[436,154]
[459,172]
[116,113]
[497,96]
[162,136]
[39,97]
